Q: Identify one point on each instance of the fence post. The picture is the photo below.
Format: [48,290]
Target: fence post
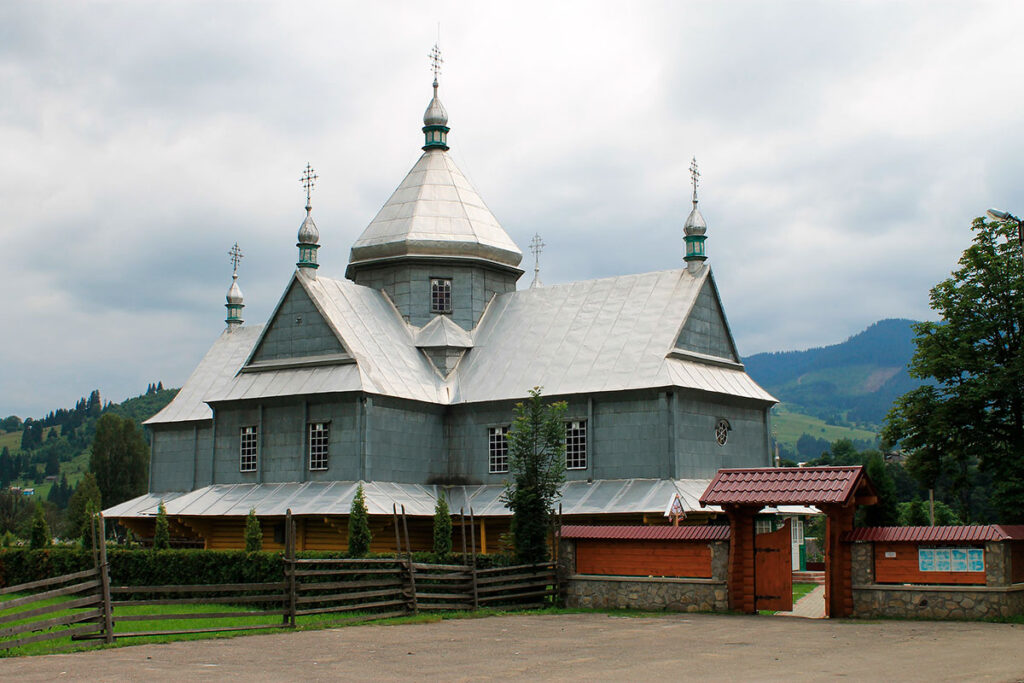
[398,537]
[289,558]
[108,608]
[472,573]
[412,570]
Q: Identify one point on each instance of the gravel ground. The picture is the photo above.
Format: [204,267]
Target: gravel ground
[570,647]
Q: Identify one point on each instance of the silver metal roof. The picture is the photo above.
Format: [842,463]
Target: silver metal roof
[598,335]
[435,212]
[442,331]
[213,374]
[371,329]
[613,496]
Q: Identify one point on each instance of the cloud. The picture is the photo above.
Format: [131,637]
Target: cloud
[844,147]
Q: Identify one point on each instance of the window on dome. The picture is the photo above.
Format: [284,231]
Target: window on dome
[440,295]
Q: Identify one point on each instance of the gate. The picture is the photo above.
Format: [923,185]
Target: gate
[773,570]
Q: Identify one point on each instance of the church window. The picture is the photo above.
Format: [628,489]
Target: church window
[497,450]
[722,429]
[440,295]
[248,449]
[576,445]
[319,440]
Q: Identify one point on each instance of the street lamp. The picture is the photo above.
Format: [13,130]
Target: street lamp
[997,215]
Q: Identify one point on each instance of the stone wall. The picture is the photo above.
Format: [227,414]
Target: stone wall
[999,597]
[646,593]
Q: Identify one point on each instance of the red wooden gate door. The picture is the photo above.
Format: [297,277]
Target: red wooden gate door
[773,570]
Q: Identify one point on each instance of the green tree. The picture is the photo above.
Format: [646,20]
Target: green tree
[162,532]
[971,411]
[914,513]
[39,536]
[536,454]
[86,495]
[120,459]
[442,528]
[886,511]
[359,535]
[253,533]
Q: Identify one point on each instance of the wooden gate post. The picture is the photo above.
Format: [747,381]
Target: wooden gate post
[472,540]
[741,557]
[290,566]
[108,608]
[838,569]
[408,564]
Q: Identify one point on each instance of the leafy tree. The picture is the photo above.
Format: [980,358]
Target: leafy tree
[162,533]
[536,453]
[359,535]
[253,533]
[442,528]
[914,513]
[40,534]
[84,501]
[886,511]
[120,459]
[11,423]
[7,471]
[972,411]
[15,511]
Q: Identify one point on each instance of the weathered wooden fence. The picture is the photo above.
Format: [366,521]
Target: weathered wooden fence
[87,605]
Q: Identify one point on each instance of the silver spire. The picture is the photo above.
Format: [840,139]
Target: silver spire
[234,298]
[695,224]
[309,236]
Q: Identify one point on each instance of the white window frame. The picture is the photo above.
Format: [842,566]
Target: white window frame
[722,429]
[497,449]
[318,444]
[576,445]
[248,448]
[440,295]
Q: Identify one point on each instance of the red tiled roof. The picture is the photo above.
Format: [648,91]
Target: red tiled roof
[784,486]
[702,532]
[936,534]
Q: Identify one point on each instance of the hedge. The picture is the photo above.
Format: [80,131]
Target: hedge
[164,567]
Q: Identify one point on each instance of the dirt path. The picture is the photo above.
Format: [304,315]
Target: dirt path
[570,647]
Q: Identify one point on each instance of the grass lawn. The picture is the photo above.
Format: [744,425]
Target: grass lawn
[802,589]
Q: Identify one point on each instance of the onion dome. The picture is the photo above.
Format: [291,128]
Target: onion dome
[695,229]
[309,236]
[234,297]
[435,124]
[235,292]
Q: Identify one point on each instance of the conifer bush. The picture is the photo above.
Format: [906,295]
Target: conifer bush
[162,534]
[253,533]
[442,529]
[359,535]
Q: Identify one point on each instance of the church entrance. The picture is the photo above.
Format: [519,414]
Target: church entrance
[756,563]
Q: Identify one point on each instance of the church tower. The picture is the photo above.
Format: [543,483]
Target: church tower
[235,302]
[695,229]
[435,247]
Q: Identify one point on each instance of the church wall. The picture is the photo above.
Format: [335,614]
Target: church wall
[705,330]
[698,455]
[631,436]
[173,454]
[408,285]
[405,441]
[297,330]
[282,455]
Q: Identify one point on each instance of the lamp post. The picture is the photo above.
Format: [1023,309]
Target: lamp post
[997,215]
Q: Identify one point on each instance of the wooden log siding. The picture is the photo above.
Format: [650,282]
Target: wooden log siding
[691,559]
[903,568]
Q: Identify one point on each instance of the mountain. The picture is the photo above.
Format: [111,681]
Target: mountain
[854,382]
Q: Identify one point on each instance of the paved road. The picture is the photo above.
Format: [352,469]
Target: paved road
[570,647]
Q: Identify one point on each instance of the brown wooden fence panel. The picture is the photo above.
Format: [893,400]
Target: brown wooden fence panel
[37,614]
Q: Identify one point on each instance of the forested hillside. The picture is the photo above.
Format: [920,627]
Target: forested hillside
[850,384]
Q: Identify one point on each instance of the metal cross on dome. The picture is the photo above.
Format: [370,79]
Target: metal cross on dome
[435,60]
[308,181]
[236,256]
[695,176]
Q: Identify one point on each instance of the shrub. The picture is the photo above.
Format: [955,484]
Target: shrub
[253,533]
[162,534]
[359,535]
[442,529]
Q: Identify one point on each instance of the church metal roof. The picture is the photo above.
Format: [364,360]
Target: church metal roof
[610,334]
[612,496]
[435,212]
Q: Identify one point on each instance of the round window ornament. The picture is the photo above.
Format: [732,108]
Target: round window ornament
[722,432]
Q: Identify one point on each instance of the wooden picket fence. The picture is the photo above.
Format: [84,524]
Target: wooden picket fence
[367,588]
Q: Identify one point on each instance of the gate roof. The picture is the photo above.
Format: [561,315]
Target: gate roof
[760,486]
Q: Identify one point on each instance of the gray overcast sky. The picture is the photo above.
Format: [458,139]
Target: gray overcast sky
[844,147]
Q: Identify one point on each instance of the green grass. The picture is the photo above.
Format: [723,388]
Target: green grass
[12,440]
[789,426]
[802,589]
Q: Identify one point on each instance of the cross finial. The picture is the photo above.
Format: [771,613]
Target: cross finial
[536,246]
[308,180]
[435,60]
[236,257]
[695,176]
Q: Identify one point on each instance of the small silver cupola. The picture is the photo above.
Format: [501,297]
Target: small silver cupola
[435,118]
[234,297]
[309,236]
[695,229]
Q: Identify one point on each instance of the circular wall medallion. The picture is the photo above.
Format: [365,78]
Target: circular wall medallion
[722,432]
